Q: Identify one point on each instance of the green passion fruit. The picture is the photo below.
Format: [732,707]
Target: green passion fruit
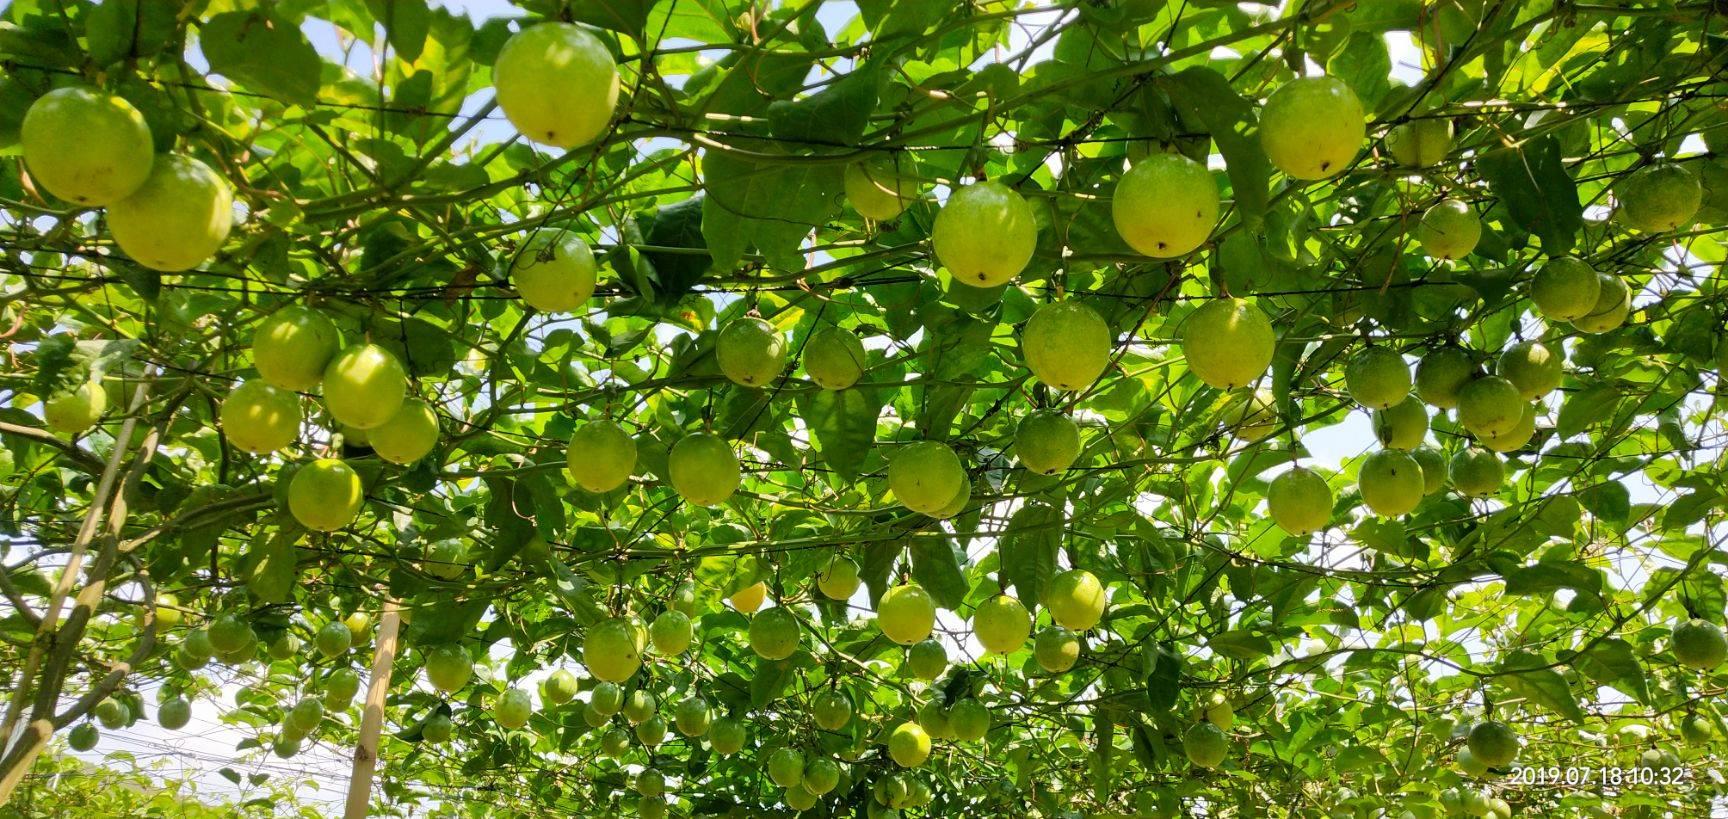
[177,219]
[1391,483]
[1047,442]
[325,495]
[409,434]
[926,476]
[1066,345]
[557,83]
[292,347]
[984,234]
[703,469]
[364,386]
[601,456]
[751,352]
[1228,343]
[1165,206]
[881,187]
[1299,501]
[85,146]
[554,271]
[834,358]
[1312,127]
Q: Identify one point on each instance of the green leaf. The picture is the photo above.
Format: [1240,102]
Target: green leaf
[1365,66]
[1241,645]
[423,347]
[446,623]
[769,681]
[875,566]
[57,369]
[1541,197]
[767,205]
[625,16]
[678,258]
[1690,508]
[1586,408]
[1609,500]
[62,363]
[1522,674]
[835,116]
[118,29]
[891,17]
[1205,98]
[936,565]
[843,423]
[1382,534]
[1547,578]
[1426,604]
[1164,680]
[271,567]
[1028,551]
[263,53]
[1383,15]
[1612,661]
[1103,772]
[1700,594]
[406,22]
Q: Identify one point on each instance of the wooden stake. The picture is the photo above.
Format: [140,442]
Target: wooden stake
[372,717]
[20,743]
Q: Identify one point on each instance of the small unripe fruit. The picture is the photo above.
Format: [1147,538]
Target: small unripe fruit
[601,456]
[1565,289]
[1066,345]
[75,410]
[834,358]
[1449,229]
[1299,501]
[1047,442]
[1494,744]
[703,469]
[1391,483]
[1613,305]
[1378,378]
[408,435]
[292,347]
[906,614]
[751,352]
[926,476]
[881,187]
[1441,374]
[1420,143]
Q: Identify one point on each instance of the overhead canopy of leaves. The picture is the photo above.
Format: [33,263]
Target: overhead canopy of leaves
[375,180]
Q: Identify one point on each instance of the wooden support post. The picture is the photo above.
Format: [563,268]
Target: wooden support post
[372,717]
[24,736]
